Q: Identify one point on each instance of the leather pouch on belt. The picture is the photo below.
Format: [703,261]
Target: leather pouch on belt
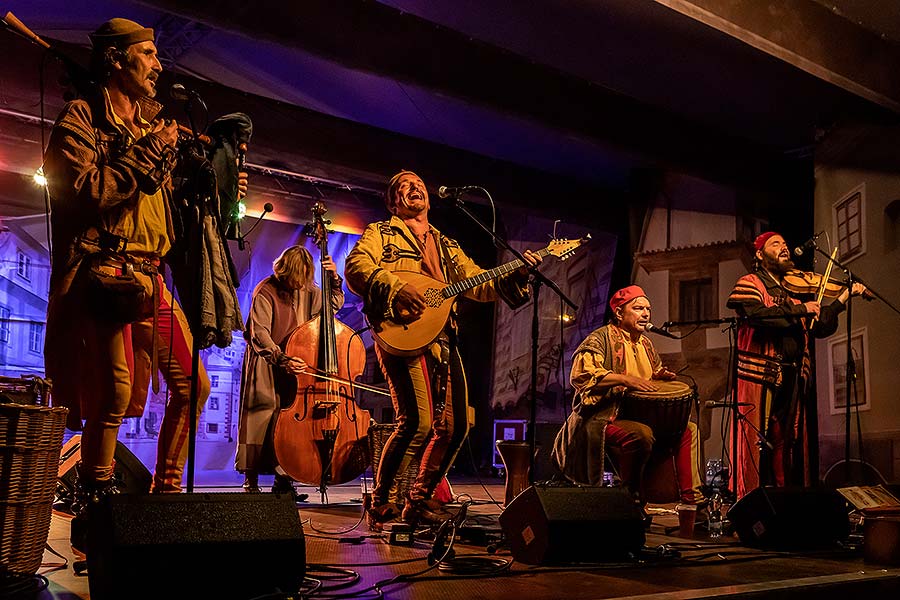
[115,293]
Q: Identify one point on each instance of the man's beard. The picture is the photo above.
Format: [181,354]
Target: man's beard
[776,266]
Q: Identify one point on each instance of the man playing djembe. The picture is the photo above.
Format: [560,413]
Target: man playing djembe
[610,362]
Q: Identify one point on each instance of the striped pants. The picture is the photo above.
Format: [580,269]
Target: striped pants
[422,429]
[121,364]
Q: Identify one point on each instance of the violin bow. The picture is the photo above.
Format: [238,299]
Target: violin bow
[825,277]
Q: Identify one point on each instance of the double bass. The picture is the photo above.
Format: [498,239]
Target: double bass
[321,438]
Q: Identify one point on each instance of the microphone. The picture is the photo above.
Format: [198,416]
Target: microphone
[179,92]
[454,192]
[714,404]
[267,208]
[807,245]
[651,328]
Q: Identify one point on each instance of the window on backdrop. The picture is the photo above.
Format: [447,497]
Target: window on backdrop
[23,265]
[5,315]
[36,337]
[849,221]
[696,301]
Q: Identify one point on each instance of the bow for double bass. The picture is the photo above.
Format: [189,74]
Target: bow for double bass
[351,384]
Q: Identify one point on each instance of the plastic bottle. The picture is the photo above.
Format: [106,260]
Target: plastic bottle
[713,473]
[365,489]
[715,516]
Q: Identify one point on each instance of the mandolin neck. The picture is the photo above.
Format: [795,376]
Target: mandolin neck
[459,287]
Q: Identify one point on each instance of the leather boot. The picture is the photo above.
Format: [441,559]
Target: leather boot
[418,512]
[86,493]
[251,482]
[285,485]
[378,515]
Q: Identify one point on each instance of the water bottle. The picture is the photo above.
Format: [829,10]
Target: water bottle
[365,489]
[715,516]
[714,473]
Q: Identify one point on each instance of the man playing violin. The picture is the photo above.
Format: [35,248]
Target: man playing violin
[108,166]
[774,388]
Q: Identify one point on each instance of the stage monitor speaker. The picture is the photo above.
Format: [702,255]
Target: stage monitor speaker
[561,525]
[132,477]
[197,545]
[791,518]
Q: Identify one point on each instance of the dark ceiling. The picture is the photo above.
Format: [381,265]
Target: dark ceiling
[549,103]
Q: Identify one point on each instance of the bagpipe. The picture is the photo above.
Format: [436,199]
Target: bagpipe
[206,213]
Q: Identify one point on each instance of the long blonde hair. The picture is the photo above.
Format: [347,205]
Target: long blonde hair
[294,268]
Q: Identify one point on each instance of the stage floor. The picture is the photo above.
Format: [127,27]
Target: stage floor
[340,548]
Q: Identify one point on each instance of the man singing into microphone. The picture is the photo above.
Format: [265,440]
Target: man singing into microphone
[108,166]
[774,390]
[611,360]
[428,389]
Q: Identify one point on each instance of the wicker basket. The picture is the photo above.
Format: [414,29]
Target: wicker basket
[30,443]
[378,436]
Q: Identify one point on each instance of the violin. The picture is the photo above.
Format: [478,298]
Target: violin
[806,282]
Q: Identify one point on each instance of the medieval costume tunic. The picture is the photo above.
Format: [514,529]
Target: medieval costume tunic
[275,313]
[106,184]
[427,426]
[580,446]
[774,380]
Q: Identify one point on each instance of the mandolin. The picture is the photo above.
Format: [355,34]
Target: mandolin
[410,339]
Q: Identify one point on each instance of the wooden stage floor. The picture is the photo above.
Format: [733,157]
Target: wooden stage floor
[344,559]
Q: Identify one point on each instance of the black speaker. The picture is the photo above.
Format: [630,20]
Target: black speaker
[552,525]
[791,518]
[198,545]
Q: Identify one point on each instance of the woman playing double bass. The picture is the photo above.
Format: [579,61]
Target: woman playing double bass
[281,302]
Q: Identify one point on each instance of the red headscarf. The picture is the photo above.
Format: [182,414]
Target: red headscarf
[625,295]
[762,238]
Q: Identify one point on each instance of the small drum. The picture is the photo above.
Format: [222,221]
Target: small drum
[666,411]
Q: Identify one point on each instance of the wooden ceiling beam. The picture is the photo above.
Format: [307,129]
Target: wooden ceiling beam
[808,36]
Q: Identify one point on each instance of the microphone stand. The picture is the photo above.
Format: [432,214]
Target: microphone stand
[733,404]
[195,243]
[850,366]
[536,280]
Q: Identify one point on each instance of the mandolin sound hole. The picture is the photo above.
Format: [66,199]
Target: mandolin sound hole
[433,297]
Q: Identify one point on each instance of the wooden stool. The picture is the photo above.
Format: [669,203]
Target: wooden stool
[516,458]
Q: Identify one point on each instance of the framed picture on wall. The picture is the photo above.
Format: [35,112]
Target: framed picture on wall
[837,369]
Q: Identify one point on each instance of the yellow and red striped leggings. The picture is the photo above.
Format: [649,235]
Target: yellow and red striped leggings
[118,374]
[434,436]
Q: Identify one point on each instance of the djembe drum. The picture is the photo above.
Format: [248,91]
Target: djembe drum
[516,458]
[666,411]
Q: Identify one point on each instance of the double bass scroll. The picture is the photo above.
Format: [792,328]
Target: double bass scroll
[321,438]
